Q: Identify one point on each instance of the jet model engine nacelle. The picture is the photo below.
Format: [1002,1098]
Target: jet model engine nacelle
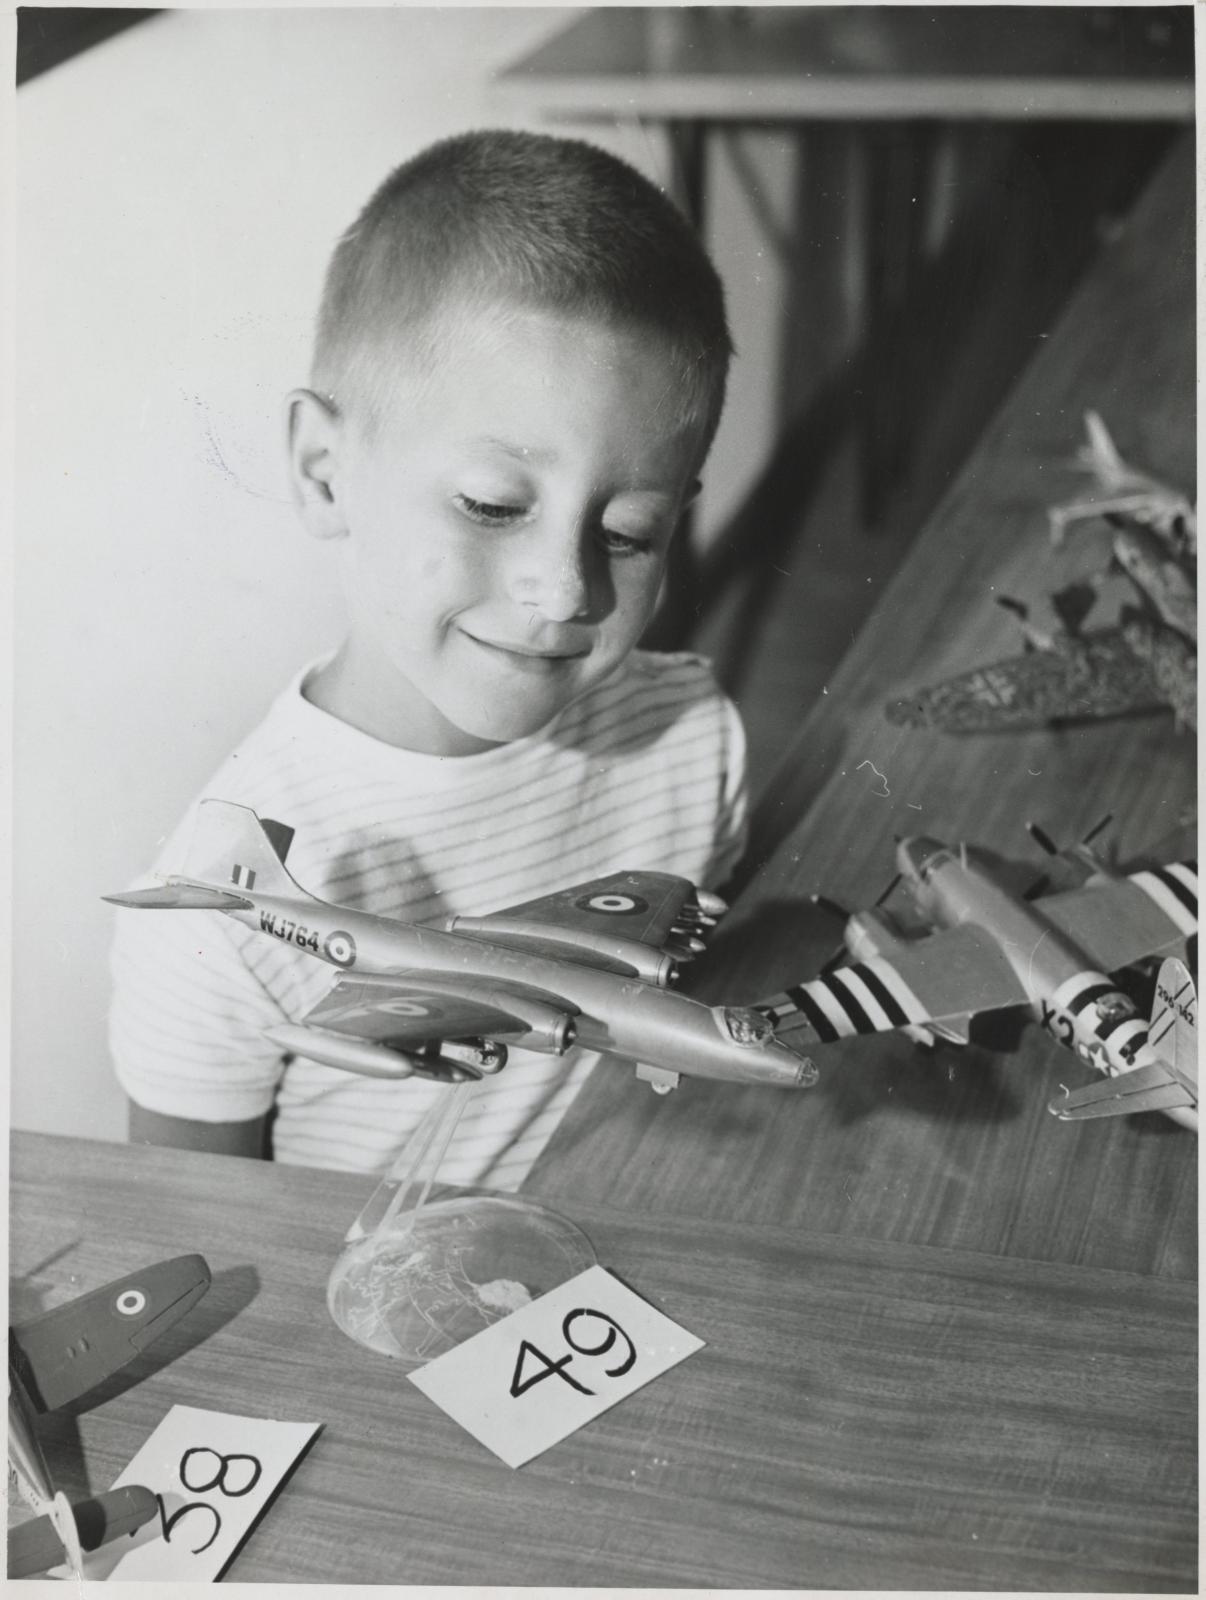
[871,933]
[550,1031]
[627,958]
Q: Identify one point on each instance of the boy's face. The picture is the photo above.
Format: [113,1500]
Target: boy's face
[506,527]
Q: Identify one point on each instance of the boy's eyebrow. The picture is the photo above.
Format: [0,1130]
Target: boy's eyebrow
[520,452]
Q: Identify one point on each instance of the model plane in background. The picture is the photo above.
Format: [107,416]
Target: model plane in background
[989,948]
[589,965]
[1146,662]
[60,1357]
[1123,489]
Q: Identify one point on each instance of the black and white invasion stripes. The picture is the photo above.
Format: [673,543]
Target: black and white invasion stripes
[868,997]
[1174,889]
[1099,1009]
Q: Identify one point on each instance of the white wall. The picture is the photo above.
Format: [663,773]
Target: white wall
[178,191]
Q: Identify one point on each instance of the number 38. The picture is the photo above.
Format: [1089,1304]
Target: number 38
[547,1369]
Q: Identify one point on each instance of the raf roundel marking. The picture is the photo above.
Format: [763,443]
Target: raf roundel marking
[615,905]
[340,948]
[410,1008]
[131,1302]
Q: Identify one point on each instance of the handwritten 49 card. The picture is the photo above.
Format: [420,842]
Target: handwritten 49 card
[538,1375]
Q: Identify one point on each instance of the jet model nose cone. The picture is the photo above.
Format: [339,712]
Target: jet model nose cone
[807,1073]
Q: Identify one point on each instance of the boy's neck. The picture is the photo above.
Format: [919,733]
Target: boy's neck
[341,689]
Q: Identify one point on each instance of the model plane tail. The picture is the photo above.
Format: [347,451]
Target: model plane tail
[232,854]
[1168,1083]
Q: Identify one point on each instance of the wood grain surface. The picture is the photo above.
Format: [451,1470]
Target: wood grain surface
[762,63]
[864,1415]
[953,1147]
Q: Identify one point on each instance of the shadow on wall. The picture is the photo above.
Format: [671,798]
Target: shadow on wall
[48,35]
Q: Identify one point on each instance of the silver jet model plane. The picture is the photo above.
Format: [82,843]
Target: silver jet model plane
[589,965]
[990,949]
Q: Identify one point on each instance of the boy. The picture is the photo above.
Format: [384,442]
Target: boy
[519,367]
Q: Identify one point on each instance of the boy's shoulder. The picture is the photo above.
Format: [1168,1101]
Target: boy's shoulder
[664,685]
[658,703]
[682,670]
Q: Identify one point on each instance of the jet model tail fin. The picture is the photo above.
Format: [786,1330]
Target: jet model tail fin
[233,849]
[232,853]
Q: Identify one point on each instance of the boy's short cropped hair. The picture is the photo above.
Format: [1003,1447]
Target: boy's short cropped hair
[497,216]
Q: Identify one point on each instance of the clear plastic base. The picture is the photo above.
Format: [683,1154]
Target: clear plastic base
[431,1278]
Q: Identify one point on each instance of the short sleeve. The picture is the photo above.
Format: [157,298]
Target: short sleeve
[732,821]
[187,1019]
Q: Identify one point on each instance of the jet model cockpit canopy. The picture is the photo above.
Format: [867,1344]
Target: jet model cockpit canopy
[744,1025]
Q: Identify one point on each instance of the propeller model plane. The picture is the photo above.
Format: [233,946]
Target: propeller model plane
[1171,1080]
[589,965]
[55,1360]
[989,949]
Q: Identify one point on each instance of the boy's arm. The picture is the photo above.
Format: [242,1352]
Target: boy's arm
[187,1033]
[248,1138]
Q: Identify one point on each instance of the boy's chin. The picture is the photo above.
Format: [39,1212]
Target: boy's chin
[490,722]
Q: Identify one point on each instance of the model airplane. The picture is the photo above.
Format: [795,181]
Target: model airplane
[60,1357]
[990,949]
[1169,1081]
[1145,663]
[1125,489]
[589,965]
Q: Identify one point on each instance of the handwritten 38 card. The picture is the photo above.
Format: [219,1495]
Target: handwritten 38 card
[213,1474]
[538,1375]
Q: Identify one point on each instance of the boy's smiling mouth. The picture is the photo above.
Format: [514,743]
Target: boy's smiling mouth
[529,653]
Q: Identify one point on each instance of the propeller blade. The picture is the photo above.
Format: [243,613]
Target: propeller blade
[840,955]
[1042,839]
[1097,827]
[887,891]
[826,904]
[1038,887]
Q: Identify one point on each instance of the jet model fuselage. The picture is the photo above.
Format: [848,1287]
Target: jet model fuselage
[566,1001]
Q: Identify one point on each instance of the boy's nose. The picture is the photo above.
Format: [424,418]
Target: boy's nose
[551,575]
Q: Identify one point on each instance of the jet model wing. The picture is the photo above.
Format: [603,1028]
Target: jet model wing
[64,1353]
[1151,1088]
[645,907]
[1149,913]
[1098,675]
[408,1009]
[938,980]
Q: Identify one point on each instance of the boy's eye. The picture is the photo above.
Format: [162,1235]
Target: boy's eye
[488,512]
[624,544]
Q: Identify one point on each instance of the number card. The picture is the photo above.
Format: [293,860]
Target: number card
[538,1375]
[213,1474]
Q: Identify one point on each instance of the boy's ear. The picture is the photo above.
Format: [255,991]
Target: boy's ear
[315,433]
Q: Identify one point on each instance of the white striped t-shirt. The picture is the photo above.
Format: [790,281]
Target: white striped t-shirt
[646,771]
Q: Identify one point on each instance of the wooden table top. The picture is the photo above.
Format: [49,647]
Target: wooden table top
[766,63]
[864,1415]
[956,1147]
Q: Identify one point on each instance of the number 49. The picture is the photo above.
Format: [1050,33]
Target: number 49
[521,1384]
